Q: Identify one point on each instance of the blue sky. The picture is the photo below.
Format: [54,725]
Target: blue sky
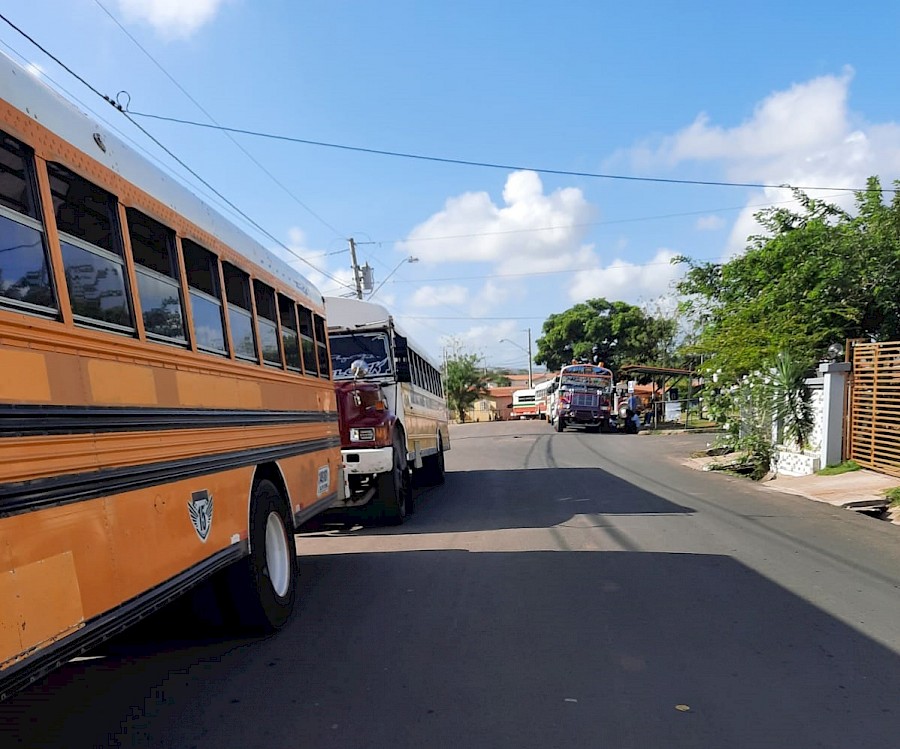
[770,93]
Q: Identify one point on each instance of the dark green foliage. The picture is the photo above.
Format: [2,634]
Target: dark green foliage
[818,277]
[621,332]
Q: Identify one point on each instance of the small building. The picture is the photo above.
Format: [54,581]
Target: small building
[495,405]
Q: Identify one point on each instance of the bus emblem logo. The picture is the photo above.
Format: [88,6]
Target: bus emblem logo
[201,510]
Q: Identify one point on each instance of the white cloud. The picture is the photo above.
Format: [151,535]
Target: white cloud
[625,281]
[804,135]
[710,223]
[436,296]
[509,235]
[171,19]
[804,118]
[495,294]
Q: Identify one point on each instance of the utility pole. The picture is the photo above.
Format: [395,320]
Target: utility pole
[530,377]
[357,277]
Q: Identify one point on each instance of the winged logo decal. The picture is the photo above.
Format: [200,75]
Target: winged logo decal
[201,509]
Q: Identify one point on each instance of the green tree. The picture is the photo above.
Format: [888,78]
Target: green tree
[617,332]
[465,382]
[818,276]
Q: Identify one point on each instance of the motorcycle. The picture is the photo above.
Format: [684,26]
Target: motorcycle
[628,420]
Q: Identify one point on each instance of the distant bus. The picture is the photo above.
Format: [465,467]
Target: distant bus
[368,344]
[523,404]
[583,398]
[543,394]
[166,410]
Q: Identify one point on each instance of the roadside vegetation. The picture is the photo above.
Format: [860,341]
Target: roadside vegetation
[818,275]
[847,466]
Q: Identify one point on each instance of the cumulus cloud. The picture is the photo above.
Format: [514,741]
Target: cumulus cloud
[626,281]
[508,235]
[171,19]
[436,296]
[710,223]
[805,135]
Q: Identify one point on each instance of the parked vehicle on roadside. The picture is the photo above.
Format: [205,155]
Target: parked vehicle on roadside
[543,397]
[167,416]
[393,412]
[523,404]
[583,398]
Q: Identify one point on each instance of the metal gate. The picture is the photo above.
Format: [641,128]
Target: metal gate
[873,434]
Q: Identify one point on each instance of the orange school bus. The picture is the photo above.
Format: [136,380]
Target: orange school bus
[166,412]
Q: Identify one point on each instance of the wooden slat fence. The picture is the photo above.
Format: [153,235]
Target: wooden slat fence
[874,414]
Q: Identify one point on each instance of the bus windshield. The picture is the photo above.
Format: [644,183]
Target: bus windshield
[370,348]
[586,376]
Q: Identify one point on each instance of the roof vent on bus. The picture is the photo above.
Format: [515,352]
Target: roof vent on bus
[98,139]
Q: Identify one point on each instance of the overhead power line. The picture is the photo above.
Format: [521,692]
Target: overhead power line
[496,165]
[172,155]
[212,119]
[582,225]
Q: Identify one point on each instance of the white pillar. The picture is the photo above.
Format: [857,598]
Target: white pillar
[835,375]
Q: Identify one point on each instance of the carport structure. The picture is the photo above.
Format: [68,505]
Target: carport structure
[666,412]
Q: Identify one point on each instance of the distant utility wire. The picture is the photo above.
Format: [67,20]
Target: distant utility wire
[245,216]
[212,119]
[637,219]
[493,165]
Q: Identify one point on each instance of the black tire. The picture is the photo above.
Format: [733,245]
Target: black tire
[560,423]
[394,501]
[433,468]
[262,587]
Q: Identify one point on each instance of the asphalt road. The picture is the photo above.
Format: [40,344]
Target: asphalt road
[560,590]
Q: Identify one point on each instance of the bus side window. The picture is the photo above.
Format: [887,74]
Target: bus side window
[202,270]
[153,250]
[25,278]
[290,339]
[308,345]
[322,347]
[87,221]
[268,323]
[240,312]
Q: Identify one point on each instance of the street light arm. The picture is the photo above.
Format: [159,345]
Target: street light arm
[409,259]
[506,340]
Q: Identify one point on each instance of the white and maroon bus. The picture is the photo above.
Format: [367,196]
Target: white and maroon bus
[523,405]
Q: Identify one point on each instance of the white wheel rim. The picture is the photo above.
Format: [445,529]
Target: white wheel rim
[278,556]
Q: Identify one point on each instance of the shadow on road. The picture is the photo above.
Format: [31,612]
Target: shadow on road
[534,498]
[525,649]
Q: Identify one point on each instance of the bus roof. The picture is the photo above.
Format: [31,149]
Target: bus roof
[346,313]
[36,100]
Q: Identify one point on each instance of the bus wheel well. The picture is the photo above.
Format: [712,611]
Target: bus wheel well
[272,472]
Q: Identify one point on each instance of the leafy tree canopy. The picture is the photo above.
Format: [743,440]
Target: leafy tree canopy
[819,276]
[465,382]
[617,332]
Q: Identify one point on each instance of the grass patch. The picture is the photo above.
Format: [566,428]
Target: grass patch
[893,495]
[846,467]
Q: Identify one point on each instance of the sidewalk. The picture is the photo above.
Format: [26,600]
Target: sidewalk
[861,490]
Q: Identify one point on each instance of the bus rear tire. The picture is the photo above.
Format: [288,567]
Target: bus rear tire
[262,587]
[434,469]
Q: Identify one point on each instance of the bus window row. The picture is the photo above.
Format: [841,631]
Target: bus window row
[425,375]
[265,326]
